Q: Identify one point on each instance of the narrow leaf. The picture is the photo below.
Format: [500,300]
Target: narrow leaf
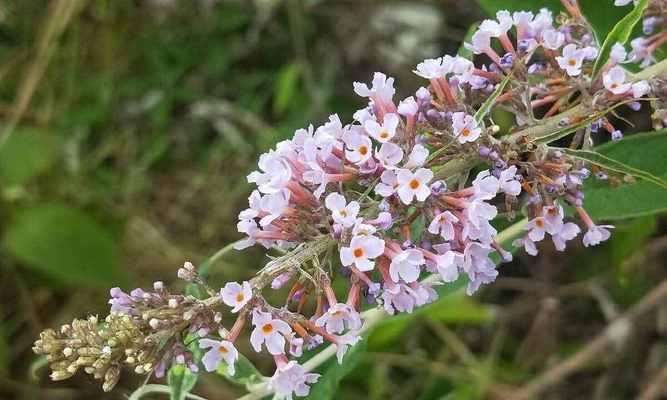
[619,34]
[491,100]
[611,164]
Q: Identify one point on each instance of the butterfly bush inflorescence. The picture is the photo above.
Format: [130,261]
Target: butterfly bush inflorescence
[382,204]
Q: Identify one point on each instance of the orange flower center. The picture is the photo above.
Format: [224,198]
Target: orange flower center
[414,184]
[223,350]
[539,223]
[384,135]
[572,62]
[465,132]
[240,297]
[363,150]
[358,252]
[267,328]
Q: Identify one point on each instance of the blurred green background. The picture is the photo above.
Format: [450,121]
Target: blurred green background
[127,130]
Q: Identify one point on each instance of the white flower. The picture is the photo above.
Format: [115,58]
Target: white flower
[337,317]
[359,148]
[220,350]
[270,332]
[362,115]
[522,19]
[614,81]
[505,21]
[443,224]
[361,229]
[566,232]
[432,68]
[597,234]
[342,212]
[590,52]
[508,182]
[255,203]
[485,185]
[362,250]
[388,184]
[342,343]
[543,20]
[382,89]
[291,378]
[235,295]
[480,42]
[406,265]
[417,157]
[448,265]
[491,27]
[385,132]
[413,185]
[465,127]
[536,228]
[640,89]
[552,39]
[389,155]
[274,173]
[618,53]
[274,205]
[478,266]
[571,60]
[408,107]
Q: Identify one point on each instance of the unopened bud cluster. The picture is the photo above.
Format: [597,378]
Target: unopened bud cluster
[382,202]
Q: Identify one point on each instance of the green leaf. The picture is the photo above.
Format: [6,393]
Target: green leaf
[64,243]
[327,386]
[26,154]
[181,380]
[286,84]
[491,100]
[619,34]
[644,151]
[246,374]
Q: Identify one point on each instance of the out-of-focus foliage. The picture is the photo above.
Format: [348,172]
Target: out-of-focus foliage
[132,154]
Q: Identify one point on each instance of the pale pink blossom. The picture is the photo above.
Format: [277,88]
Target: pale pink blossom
[389,154]
[614,81]
[382,132]
[339,317]
[443,225]
[465,127]
[291,378]
[219,350]
[571,60]
[270,332]
[235,295]
[406,265]
[362,251]
[342,212]
[597,234]
[413,184]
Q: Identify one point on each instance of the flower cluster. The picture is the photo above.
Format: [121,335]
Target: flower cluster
[383,201]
